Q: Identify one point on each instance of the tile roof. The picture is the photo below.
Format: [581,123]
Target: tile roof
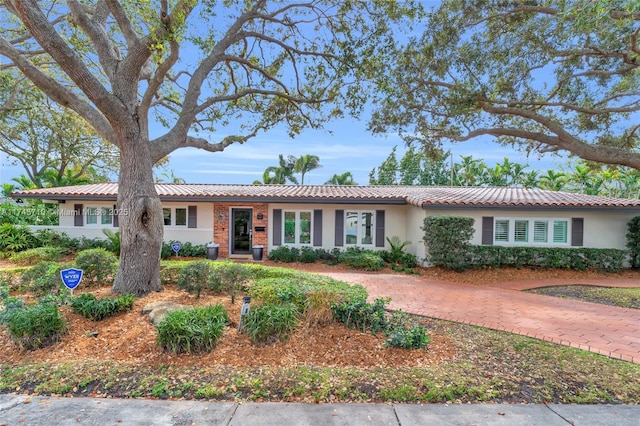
[435,196]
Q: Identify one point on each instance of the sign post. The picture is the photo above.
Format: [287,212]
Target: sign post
[71,278]
[176,247]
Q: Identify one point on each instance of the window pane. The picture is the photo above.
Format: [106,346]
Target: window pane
[560,231]
[502,231]
[181,217]
[351,227]
[92,216]
[289,227]
[305,227]
[106,218]
[167,216]
[367,228]
[521,231]
[540,231]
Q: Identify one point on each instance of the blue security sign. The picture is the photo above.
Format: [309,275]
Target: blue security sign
[71,277]
[176,247]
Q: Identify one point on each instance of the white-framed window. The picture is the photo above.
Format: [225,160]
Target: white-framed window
[359,228]
[174,216]
[297,227]
[534,231]
[98,216]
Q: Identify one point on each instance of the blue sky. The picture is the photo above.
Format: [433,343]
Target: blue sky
[344,145]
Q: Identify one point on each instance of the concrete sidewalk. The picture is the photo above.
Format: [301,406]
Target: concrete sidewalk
[603,329]
[46,411]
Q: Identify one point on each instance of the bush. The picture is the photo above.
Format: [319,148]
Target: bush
[96,309]
[284,254]
[194,277]
[361,315]
[36,326]
[170,271]
[633,241]
[98,265]
[268,323]
[358,258]
[44,278]
[113,241]
[15,238]
[230,278]
[186,250]
[38,254]
[195,330]
[275,291]
[447,241]
[51,238]
[318,307]
[408,338]
[9,306]
[308,255]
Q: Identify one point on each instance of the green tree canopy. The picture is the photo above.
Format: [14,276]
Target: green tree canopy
[543,76]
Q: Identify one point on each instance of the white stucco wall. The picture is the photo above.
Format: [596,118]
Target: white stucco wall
[200,235]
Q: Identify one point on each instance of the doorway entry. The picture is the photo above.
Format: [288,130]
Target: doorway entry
[241,233]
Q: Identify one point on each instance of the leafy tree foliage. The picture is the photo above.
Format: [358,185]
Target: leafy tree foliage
[124,66]
[345,178]
[543,76]
[54,146]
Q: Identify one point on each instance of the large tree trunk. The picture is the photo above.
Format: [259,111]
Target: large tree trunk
[140,220]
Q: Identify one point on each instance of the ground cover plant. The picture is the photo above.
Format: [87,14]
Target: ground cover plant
[622,297]
[89,306]
[324,362]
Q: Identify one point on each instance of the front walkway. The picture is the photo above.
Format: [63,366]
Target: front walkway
[606,330]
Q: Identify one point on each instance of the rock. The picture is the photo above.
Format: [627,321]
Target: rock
[158,310]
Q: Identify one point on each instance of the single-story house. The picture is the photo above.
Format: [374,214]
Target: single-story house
[238,217]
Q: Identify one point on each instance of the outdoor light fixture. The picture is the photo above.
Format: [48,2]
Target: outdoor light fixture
[244,310]
[260,216]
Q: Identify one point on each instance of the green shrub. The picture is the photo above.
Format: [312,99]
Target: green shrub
[113,241]
[96,309]
[44,278]
[186,250]
[194,277]
[36,326]
[4,291]
[633,241]
[275,291]
[408,338]
[15,238]
[357,258]
[38,254]
[318,307]
[10,304]
[229,277]
[52,238]
[363,316]
[284,254]
[170,271]
[447,241]
[268,323]
[308,255]
[98,264]
[195,330]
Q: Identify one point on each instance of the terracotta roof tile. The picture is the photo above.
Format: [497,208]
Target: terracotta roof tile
[416,195]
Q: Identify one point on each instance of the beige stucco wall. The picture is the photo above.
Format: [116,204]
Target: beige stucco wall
[602,229]
[395,220]
[200,235]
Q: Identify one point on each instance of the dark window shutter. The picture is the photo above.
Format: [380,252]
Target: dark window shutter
[317,228]
[577,232]
[277,227]
[115,216]
[380,228]
[339,228]
[487,231]
[192,217]
[78,218]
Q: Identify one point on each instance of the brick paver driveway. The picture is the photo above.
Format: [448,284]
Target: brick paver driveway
[606,330]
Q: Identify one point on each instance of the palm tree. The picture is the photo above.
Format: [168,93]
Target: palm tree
[304,164]
[345,178]
[280,174]
[553,181]
[24,183]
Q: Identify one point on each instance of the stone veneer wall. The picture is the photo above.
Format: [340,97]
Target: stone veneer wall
[221,228]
